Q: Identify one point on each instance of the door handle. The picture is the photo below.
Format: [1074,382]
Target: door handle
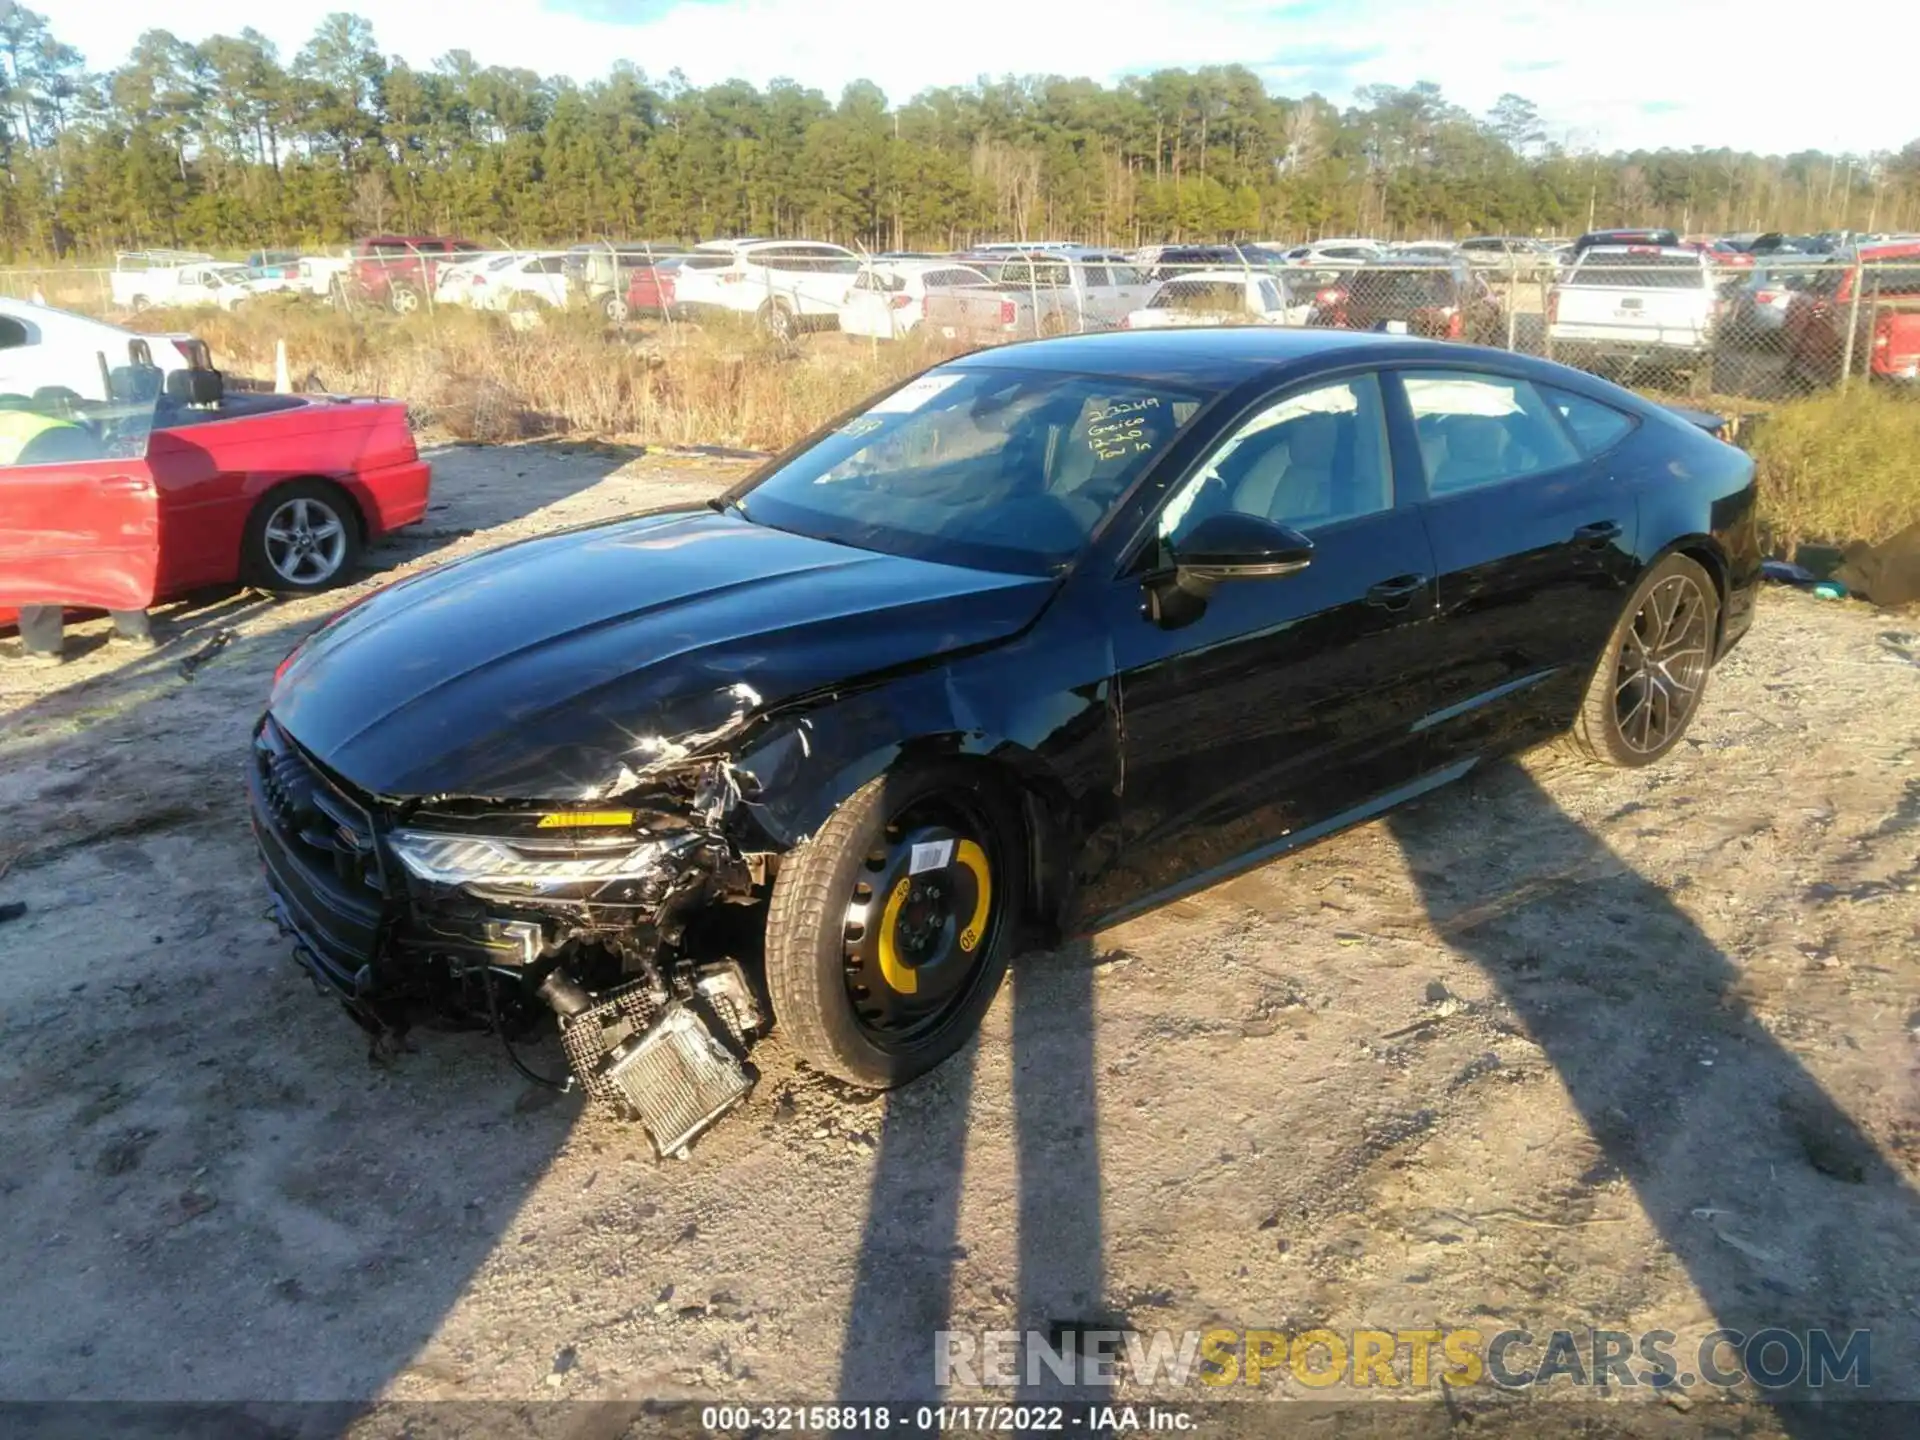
[1397,593]
[1598,535]
[125,485]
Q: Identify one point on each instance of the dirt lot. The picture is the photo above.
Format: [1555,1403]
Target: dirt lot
[1559,1048]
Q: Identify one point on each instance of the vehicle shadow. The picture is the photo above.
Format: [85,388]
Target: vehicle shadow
[903,1287]
[1655,1049]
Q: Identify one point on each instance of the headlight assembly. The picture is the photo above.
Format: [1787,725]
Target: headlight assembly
[546,865]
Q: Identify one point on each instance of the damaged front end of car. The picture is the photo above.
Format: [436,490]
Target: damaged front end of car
[607,907]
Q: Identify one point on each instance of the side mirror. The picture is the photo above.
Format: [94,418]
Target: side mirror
[1228,546]
[1234,546]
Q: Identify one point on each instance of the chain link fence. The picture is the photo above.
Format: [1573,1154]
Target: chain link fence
[1679,322]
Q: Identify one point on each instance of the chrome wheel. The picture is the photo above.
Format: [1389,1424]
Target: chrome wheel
[1663,664]
[406,300]
[306,541]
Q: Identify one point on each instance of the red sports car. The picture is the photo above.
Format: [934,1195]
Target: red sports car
[277,491]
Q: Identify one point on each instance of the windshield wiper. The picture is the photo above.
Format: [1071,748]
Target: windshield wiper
[719,504]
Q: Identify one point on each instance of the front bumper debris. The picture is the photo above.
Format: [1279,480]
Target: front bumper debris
[649,1032]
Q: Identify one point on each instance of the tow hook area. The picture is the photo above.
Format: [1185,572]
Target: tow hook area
[673,1061]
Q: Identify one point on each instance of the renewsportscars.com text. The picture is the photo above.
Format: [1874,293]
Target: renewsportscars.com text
[1770,1359]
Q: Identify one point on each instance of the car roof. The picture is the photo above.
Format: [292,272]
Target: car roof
[53,314]
[1217,358]
[1248,276]
[1685,252]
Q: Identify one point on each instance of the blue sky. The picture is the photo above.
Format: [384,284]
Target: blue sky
[1623,73]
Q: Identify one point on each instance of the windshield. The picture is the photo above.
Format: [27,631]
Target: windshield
[1408,289]
[1004,470]
[67,403]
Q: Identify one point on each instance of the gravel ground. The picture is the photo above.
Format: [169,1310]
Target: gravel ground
[1557,1048]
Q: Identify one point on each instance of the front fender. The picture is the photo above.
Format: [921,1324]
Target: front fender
[1057,747]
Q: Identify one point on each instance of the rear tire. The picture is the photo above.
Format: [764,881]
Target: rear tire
[614,307]
[302,538]
[404,299]
[1653,672]
[776,319]
[869,965]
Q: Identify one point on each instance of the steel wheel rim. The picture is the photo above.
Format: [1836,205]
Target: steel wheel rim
[1662,666]
[914,959]
[306,541]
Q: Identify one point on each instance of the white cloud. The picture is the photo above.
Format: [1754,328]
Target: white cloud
[1626,73]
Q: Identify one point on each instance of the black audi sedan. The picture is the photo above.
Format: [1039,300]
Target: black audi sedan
[1040,638]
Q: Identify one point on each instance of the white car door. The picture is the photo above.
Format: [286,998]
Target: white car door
[866,303]
[546,279]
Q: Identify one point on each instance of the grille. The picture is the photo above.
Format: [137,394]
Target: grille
[310,813]
[592,1035]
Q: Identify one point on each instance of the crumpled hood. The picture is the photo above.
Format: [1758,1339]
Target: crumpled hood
[558,667]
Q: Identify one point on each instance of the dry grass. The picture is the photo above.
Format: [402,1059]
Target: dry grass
[1837,468]
[1832,468]
[479,376]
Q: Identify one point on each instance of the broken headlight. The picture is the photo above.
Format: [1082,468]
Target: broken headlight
[612,868]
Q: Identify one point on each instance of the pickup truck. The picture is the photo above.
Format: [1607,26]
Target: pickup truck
[1043,293]
[144,279]
[1217,297]
[1622,304]
[1885,321]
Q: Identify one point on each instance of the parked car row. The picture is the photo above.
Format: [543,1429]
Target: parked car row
[1677,306]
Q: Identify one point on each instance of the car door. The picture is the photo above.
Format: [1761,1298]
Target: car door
[1289,702]
[76,530]
[1534,537]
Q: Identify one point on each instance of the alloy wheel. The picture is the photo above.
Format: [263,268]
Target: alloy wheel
[1663,664]
[306,541]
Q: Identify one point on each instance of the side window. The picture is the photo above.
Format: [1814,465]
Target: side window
[1480,430]
[1595,427]
[12,334]
[1096,277]
[1312,459]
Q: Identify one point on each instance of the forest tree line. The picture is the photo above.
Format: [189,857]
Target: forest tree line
[229,145]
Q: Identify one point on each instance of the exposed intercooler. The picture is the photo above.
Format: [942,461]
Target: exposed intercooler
[655,1056]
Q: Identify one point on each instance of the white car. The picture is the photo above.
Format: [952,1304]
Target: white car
[1217,297]
[888,298]
[1335,252]
[453,283]
[517,281]
[42,348]
[143,280]
[787,285]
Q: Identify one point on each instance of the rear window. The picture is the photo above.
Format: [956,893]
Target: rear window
[1210,297]
[1410,289]
[1640,272]
[709,260]
[1595,427]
